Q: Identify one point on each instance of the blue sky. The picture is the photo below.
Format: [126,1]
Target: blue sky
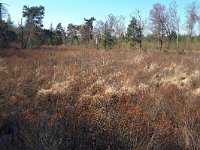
[74,11]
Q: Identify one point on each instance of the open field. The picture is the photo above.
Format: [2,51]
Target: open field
[89,99]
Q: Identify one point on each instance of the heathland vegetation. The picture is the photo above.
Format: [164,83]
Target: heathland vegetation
[89,99]
[100,86]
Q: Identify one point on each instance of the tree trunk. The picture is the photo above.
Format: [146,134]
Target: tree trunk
[169,42]
[177,40]
[140,45]
[188,42]
[160,44]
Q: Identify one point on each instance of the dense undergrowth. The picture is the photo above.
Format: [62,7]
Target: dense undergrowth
[88,99]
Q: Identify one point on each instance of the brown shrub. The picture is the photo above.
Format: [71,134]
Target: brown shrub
[87,99]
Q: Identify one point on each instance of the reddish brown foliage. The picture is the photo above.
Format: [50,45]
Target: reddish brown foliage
[78,99]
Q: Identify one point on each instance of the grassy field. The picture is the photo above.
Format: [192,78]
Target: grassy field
[89,99]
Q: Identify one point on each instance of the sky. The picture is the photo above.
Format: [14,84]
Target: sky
[74,11]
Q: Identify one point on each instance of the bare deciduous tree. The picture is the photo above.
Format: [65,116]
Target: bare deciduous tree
[191,19]
[99,27]
[158,19]
[172,24]
[116,25]
[120,26]
[112,28]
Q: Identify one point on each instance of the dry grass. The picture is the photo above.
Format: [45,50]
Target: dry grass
[88,99]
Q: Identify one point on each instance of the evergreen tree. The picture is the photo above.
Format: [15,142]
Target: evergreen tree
[7,35]
[50,34]
[89,26]
[109,40]
[72,33]
[34,16]
[60,35]
[87,30]
[134,32]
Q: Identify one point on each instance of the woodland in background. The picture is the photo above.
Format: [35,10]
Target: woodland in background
[161,30]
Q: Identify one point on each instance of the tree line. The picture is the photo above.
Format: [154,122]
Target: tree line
[163,24]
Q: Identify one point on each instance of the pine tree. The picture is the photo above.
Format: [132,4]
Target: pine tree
[134,32]
[34,16]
